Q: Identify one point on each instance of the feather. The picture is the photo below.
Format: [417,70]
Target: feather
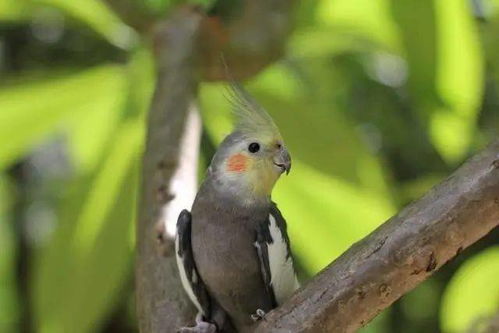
[283,277]
[191,282]
[276,262]
[250,117]
[185,281]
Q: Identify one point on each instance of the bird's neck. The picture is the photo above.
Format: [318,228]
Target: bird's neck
[237,190]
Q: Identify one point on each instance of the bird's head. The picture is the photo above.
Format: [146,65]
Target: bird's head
[250,160]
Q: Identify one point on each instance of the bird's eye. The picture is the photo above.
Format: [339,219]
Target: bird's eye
[254,147]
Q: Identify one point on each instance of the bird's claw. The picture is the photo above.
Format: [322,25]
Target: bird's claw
[258,315]
[202,326]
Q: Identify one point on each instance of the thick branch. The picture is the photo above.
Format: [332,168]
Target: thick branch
[161,302]
[399,255]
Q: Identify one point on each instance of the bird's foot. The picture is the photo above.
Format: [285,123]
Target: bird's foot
[258,315]
[202,326]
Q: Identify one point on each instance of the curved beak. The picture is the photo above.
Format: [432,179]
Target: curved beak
[283,160]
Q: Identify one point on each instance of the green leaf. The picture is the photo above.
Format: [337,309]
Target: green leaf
[91,249]
[325,41]
[106,187]
[14,10]
[368,18]
[141,78]
[415,19]
[131,99]
[85,147]
[30,111]
[472,293]
[459,79]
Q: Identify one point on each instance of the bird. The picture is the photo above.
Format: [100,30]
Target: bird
[232,249]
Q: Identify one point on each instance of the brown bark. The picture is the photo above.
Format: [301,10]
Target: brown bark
[399,255]
[161,302]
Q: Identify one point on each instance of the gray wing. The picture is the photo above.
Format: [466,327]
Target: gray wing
[276,261]
[189,276]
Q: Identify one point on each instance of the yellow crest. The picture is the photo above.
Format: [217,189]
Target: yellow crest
[251,118]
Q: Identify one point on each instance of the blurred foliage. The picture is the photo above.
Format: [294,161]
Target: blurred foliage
[378,100]
[473,293]
[8,292]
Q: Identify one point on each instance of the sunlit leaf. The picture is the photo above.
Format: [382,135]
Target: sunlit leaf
[320,41]
[141,79]
[12,10]
[369,18]
[106,187]
[473,292]
[86,146]
[459,79]
[91,247]
[29,111]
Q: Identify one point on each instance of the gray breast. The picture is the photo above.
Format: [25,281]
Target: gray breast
[223,239]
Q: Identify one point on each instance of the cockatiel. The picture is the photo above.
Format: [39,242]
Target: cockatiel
[233,250]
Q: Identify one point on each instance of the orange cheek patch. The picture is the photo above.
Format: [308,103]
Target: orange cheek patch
[237,163]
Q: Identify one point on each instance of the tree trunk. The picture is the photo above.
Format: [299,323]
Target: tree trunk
[161,302]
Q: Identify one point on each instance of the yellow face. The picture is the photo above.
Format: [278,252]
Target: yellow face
[253,156]
[259,164]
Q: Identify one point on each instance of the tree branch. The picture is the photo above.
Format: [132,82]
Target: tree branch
[399,255]
[161,302]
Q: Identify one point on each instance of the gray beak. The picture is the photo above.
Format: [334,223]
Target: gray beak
[283,160]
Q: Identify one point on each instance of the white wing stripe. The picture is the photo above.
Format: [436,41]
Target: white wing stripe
[283,277]
[183,277]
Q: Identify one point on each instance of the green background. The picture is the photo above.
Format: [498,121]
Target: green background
[377,100]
